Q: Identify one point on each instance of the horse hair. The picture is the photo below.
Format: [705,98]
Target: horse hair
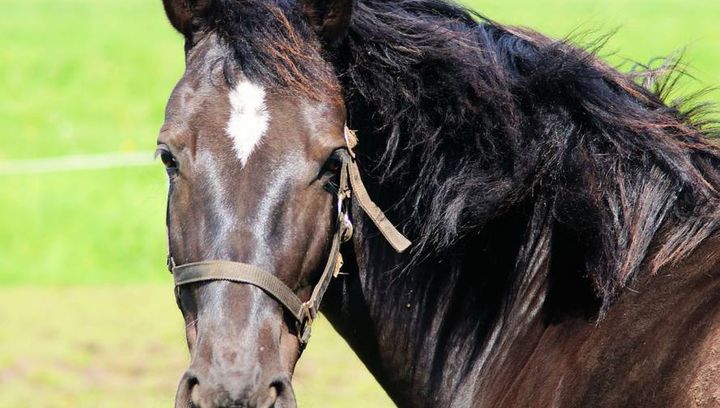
[475,120]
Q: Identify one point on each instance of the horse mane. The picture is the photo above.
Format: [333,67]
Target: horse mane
[476,120]
[480,119]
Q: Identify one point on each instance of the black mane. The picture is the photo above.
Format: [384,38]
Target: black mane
[480,120]
[473,120]
[272,44]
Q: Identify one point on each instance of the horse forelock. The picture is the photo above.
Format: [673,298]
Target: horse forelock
[273,45]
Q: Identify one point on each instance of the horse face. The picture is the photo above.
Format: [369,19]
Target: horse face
[247,168]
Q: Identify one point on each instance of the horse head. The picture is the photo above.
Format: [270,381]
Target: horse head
[260,166]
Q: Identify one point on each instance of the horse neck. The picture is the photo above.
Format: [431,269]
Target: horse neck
[443,329]
[435,333]
[467,324]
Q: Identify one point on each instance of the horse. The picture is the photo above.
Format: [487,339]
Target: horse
[488,216]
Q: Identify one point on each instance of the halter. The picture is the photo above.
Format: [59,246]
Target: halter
[350,184]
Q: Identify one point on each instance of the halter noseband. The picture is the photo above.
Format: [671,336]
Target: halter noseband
[350,184]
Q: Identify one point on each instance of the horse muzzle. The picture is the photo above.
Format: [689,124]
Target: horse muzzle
[234,390]
[243,353]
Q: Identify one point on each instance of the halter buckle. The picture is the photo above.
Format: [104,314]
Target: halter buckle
[304,327]
[344,215]
[347,227]
[170,263]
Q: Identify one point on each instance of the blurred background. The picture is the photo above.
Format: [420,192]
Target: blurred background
[87,313]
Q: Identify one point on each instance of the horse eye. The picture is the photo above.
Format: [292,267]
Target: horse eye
[167,158]
[333,163]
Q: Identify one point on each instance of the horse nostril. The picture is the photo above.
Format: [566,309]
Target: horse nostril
[273,394]
[270,398]
[234,393]
[188,392]
[195,395]
[194,388]
[280,395]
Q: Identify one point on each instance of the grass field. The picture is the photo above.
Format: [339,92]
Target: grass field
[122,346]
[87,310]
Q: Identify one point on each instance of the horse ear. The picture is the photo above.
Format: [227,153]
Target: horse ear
[181,13]
[331,18]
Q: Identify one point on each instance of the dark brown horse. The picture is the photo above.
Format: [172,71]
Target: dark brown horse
[564,218]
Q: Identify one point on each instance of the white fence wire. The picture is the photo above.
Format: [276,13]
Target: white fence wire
[75,163]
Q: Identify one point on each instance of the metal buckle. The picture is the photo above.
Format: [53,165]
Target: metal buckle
[348,228]
[170,263]
[344,216]
[340,206]
[304,327]
[305,336]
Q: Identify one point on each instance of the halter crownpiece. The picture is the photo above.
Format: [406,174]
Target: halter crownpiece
[349,186]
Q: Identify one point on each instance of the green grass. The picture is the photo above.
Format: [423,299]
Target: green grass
[83,76]
[79,77]
[92,76]
[123,347]
[645,29]
[83,227]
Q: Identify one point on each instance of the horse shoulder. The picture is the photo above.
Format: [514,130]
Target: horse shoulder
[659,346]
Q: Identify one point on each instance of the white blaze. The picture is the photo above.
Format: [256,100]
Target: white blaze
[248,118]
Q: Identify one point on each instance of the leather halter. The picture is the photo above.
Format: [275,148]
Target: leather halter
[350,184]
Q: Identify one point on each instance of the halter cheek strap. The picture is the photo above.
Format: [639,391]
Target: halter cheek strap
[350,186]
[391,234]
